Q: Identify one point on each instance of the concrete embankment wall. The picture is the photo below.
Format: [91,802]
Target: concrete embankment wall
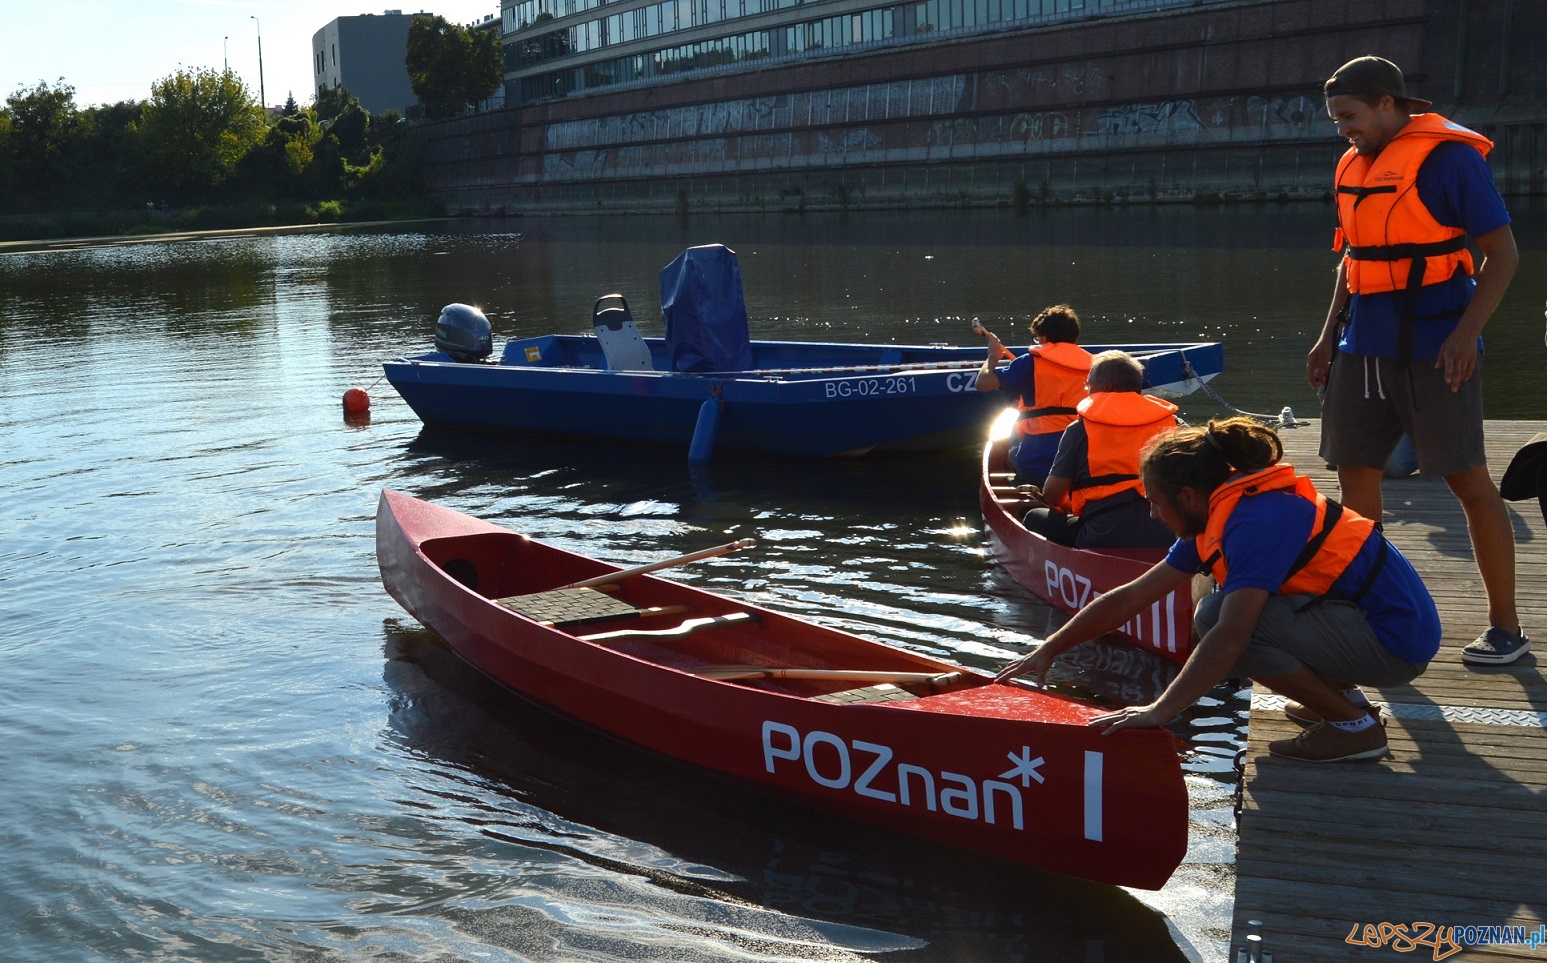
[1209,103]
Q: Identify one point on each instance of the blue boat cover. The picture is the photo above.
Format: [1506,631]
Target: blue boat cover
[705,316]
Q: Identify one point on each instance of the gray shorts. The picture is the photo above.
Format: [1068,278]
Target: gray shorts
[1331,636]
[1372,402]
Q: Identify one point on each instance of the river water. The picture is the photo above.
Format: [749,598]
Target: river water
[224,741]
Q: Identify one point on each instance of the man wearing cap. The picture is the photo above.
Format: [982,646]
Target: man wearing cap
[1400,349]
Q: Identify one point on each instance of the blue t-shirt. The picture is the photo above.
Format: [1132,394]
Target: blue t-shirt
[1019,379]
[1033,453]
[1457,187]
[1267,532]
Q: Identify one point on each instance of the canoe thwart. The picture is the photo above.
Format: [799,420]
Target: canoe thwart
[676,631]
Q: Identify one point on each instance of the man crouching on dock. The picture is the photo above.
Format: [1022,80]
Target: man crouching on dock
[1313,602]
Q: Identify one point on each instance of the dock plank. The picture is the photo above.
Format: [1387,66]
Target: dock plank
[1451,827]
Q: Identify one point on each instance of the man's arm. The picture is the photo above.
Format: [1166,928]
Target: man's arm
[988,377]
[1055,492]
[1103,615]
[1458,355]
[1320,359]
[1207,666]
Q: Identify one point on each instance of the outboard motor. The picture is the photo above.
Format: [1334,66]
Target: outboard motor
[463,333]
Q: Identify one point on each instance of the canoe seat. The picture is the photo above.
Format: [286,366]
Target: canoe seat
[622,345]
[885,692]
[577,606]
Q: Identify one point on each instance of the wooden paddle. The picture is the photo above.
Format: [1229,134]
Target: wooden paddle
[665,563]
[982,332]
[937,680]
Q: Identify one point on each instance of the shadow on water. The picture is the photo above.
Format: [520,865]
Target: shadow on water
[733,846]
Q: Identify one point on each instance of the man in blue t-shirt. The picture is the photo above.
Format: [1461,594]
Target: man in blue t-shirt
[1046,384]
[1312,603]
[1400,351]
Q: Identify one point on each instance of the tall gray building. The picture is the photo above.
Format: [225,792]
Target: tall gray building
[365,54]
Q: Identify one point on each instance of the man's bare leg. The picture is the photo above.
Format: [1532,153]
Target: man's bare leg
[1493,542]
[1360,490]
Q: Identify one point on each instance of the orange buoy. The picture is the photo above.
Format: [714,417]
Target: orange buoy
[356,400]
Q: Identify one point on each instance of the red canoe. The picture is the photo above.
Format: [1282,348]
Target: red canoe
[863,730]
[1070,578]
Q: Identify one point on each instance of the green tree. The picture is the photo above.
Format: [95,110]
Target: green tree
[7,162]
[449,68]
[111,170]
[349,128]
[486,72]
[195,130]
[278,168]
[393,172]
[331,102]
[46,136]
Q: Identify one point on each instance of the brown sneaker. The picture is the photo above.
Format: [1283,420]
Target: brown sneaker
[1324,743]
[1301,716]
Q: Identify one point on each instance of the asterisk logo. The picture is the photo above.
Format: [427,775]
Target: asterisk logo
[1025,767]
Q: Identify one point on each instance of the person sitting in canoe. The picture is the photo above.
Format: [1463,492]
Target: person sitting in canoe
[1313,602]
[1093,496]
[1047,382]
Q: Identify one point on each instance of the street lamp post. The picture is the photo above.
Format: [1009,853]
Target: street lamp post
[261,95]
[225,51]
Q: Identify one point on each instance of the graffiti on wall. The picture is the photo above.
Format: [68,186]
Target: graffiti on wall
[897,117]
[1042,125]
[1166,116]
[900,99]
[1069,81]
[842,141]
[1300,113]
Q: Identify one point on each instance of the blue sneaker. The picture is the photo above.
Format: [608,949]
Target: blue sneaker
[1496,647]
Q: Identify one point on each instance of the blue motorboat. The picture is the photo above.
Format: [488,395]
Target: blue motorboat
[707,385]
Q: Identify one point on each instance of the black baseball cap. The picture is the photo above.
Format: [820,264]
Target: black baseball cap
[1371,77]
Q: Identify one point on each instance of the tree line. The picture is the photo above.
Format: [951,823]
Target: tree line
[200,151]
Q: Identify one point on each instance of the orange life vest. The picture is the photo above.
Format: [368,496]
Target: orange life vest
[1336,537]
[1117,425]
[1390,241]
[1058,379]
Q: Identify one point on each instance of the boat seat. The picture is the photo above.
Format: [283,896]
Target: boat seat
[885,692]
[578,606]
[621,342]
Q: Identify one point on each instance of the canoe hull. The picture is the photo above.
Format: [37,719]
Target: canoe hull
[800,399]
[1071,578]
[1003,770]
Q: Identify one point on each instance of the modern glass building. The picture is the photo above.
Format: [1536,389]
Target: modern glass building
[554,48]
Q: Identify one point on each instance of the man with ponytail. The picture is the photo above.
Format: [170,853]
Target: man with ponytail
[1312,601]
[1400,351]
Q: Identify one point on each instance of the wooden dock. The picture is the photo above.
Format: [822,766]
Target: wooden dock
[1451,828]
